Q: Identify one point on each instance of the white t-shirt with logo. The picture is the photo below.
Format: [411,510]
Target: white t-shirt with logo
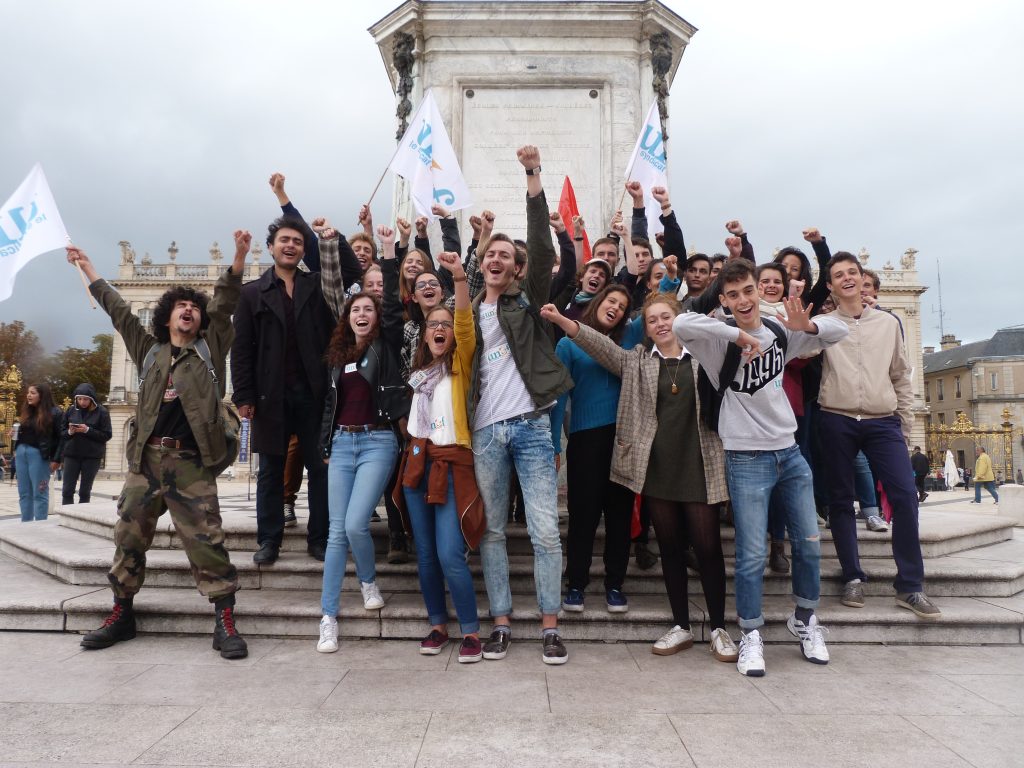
[441,430]
[502,391]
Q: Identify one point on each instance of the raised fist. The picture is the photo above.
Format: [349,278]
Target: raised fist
[734,227]
[549,312]
[636,191]
[365,217]
[439,210]
[451,261]
[277,183]
[421,226]
[476,223]
[735,246]
[812,235]
[619,228]
[579,225]
[529,156]
[243,240]
[319,225]
[386,235]
[555,220]
[660,194]
[404,228]
[671,266]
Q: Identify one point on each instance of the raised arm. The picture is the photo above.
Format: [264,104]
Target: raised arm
[392,322]
[605,352]
[638,220]
[819,291]
[311,255]
[734,228]
[674,244]
[539,249]
[332,285]
[627,244]
[565,279]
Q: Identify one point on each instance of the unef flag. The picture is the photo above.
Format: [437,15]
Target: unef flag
[30,225]
[567,208]
[649,165]
[426,160]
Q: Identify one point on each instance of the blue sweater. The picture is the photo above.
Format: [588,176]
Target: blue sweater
[595,394]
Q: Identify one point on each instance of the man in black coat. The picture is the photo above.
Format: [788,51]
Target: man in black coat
[282,328]
[921,467]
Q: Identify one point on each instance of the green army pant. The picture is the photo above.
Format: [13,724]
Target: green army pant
[177,481]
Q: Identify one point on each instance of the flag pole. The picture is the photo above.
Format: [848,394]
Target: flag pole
[85,282]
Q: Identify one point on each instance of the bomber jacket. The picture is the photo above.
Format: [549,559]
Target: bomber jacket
[867,375]
[200,396]
[528,336]
[379,366]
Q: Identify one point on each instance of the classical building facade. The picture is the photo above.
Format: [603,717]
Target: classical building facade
[973,391]
[141,284]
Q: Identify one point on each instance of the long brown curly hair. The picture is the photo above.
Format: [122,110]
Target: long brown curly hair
[41,414]
[343,347]
[423,357]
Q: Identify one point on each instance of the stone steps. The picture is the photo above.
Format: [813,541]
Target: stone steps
[942,533]
[76,557]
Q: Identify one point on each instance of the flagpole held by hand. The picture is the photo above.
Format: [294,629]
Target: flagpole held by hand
[85,282]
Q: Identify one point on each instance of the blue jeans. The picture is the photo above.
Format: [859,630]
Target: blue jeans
[441,555]
[33,483]
[525,444]
[864,483]
[989,485]
[757,478]
[356,475]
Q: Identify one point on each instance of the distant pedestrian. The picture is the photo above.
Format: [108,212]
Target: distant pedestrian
[983,476]
[84,434]
[37,442]
[920,465]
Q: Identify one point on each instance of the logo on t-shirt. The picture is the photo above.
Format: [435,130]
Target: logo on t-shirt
[170,393]
[760,371]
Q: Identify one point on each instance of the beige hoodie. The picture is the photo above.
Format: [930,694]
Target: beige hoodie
[867,374]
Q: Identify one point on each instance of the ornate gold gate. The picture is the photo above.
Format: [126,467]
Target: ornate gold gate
[10,386]
[996,439]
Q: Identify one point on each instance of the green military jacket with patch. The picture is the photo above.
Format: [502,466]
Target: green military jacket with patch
[200,396]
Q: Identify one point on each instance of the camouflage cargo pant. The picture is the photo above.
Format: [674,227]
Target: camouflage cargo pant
[176,481]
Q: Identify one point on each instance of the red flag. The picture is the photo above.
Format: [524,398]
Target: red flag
[567,208]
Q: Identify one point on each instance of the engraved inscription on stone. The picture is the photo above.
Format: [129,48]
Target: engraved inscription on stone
[565,123]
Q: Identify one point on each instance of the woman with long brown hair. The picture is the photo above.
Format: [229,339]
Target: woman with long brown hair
[37,443]
[366,397]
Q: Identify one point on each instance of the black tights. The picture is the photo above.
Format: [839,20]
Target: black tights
[675,523]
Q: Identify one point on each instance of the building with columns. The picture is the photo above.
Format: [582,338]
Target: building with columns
[141,283]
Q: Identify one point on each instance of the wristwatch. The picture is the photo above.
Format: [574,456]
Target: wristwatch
[533,171]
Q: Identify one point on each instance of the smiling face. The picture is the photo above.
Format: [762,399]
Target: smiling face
[770,286]
[363,317]
[364,253]
[658,319]
[593,279]
[793,265]
[288,248]
[373,282]
[740,298]
[427,291]
[611,310]
[440,331]
[412,265]
[186,318]
[658,271]
[845,280]
[499,265]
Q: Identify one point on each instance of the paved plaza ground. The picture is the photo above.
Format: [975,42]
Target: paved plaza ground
[170,700]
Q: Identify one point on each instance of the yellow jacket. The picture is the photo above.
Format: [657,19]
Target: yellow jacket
[983,469]
[462,373]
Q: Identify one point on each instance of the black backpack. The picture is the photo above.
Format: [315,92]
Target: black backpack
[711,398]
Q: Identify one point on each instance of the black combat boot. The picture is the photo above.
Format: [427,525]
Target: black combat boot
[398,549]
[225,637]
[119,625]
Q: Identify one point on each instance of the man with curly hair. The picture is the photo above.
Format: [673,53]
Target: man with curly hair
[176,445]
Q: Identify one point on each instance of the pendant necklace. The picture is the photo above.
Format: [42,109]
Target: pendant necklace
[672,374]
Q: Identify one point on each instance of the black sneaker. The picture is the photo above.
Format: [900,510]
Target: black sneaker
[645,559]
[118,626]
[398,549]
[289,516]
[496,647]
[226,638]
[554,650]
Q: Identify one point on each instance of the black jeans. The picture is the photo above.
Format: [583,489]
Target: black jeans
[886,450]
[302,415]
[75,469]
[591,494]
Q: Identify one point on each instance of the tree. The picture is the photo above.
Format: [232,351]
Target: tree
[20,346]
[71,366]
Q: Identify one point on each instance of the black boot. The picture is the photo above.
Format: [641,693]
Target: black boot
[777,560]
[645,559]
[225,637]
[119,625]
[398,550]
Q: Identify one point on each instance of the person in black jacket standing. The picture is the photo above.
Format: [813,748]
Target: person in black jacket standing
[85,431]
[282,326]
[921,466]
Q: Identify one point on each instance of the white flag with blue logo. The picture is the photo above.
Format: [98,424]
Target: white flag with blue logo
[649,165]
[426,160]
[30,225]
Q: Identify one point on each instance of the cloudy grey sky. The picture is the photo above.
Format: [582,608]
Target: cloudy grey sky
[886,124]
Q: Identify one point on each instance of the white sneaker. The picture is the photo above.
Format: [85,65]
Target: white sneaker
[812,639]
[675,640]
[722,647]
[877,524]
[328,635]
[751,661]
[372,600]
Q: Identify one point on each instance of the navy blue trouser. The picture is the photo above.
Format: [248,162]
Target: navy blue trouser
[882,442]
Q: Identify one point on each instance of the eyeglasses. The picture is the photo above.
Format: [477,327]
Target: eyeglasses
[433,325]
[427,284]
